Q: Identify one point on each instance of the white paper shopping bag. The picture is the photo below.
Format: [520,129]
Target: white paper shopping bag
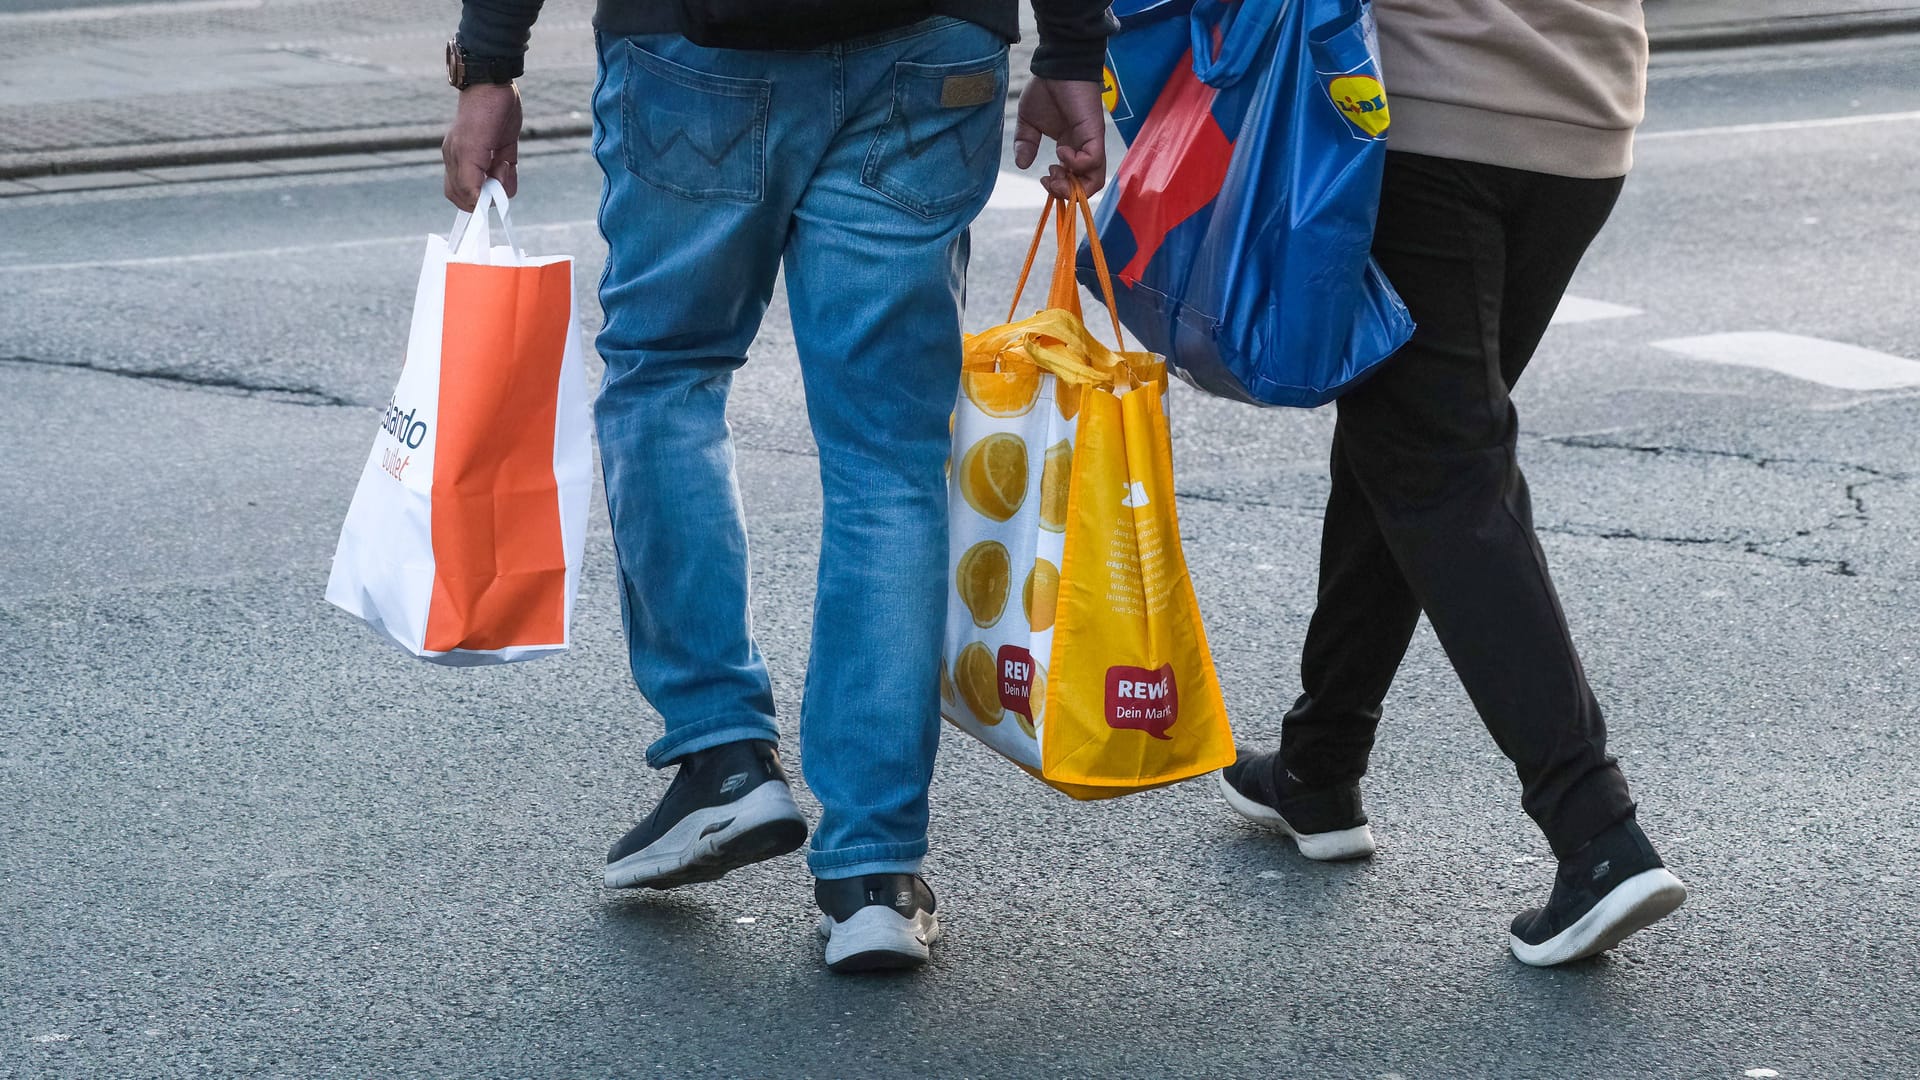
[464,539]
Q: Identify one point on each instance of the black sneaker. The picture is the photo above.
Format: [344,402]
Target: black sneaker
[1613,887]
[1327,823]
[881,922]
[727,807]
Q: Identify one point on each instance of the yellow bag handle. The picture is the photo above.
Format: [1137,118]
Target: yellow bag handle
[1064,292]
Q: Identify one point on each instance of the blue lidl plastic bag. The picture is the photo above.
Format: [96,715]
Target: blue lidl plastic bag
[1242,216]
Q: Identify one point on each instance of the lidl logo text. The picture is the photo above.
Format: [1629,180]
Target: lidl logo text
[1362,100]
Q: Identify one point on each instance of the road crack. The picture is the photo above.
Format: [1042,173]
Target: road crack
[1758,461]
[219,384]
[1315,512]
[1732,544]
[1854,516]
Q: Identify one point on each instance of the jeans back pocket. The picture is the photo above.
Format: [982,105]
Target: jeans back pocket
[940,144]
[691,133]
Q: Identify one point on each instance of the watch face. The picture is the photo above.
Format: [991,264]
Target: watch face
[456,66]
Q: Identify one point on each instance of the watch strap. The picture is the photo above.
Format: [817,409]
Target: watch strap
[464,69]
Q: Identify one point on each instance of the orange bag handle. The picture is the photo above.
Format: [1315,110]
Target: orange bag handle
[1064,292]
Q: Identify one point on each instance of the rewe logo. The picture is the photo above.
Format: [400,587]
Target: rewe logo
[1363,101]
[1142,699]
[1015,666]
[403,426]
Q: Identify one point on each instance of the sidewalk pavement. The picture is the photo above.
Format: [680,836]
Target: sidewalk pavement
[1705,24]
[140,93]
[198,82]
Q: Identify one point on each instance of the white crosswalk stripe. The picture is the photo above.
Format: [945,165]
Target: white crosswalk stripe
[1817,360]
[1018,191]
[1579,309]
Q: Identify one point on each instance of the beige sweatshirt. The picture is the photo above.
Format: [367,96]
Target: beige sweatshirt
[1553,86]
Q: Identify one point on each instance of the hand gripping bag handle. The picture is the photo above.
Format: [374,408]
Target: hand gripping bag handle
[1229,35]
[471,239]
[1064,292]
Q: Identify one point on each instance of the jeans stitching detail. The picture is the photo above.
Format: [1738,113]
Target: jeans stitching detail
[868,853]
[758,93]
[872,177]
[670,743]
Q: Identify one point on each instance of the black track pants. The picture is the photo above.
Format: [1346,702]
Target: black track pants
[1429,511]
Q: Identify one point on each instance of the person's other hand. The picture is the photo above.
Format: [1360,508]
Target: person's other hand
[483,141]
[1071,114]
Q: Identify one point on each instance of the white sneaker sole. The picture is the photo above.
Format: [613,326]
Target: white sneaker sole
[707,843]
[1341,844]
[1633,905]
[879,938]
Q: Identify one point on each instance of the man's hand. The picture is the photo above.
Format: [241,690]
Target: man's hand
[1071,114]
[483,141]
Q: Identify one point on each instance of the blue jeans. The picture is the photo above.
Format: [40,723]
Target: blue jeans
[858,168]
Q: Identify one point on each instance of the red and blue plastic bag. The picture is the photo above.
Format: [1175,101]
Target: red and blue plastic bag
[1242,216]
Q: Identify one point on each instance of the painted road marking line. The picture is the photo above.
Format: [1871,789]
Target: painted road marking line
[1829,363]
[1017,191]
[1782,125]
[1579,309]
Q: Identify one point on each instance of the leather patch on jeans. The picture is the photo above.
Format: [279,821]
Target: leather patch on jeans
[967,91]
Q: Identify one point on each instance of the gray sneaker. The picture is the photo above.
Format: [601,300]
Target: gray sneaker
[727,807]
[881,922]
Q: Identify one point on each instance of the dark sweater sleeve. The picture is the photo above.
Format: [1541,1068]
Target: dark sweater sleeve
[497,27]
[1073,38]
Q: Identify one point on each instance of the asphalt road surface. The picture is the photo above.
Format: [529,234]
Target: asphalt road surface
[238,835]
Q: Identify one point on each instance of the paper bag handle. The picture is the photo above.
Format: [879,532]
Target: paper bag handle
[471,239]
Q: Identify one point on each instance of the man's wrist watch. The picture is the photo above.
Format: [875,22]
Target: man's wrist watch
[465,69]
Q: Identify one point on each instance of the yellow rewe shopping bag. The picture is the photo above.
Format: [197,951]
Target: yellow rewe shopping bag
[1074,644]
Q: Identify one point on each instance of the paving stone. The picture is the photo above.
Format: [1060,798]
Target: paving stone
[292,110]
[88,80]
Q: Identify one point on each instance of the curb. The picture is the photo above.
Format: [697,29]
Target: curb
[26,166]
[1786,31]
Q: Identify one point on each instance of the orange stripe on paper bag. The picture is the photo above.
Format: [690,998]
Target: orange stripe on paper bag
[500,570]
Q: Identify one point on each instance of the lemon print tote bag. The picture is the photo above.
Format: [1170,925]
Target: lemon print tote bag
[1074,644]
